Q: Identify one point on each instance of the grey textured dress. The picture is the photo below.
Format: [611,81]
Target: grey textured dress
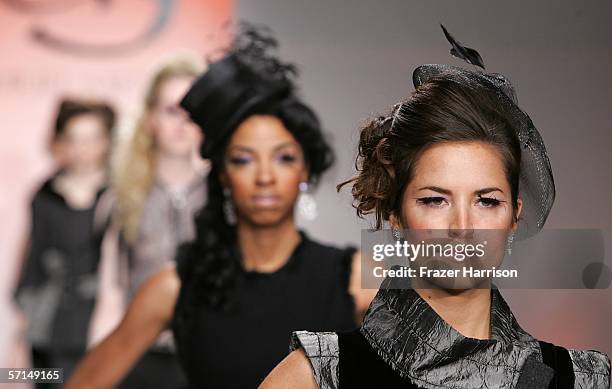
[411,342]
[167,220]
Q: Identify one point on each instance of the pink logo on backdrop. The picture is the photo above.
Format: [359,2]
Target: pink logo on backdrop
[72,45]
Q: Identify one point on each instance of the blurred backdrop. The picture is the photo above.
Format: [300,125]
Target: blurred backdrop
[98,49]
[356,59]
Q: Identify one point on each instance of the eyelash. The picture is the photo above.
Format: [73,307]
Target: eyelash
[429,201]
[285,159]
[488,202]
[238,160]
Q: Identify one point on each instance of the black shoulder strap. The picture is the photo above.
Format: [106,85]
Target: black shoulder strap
[558,358]
[360,366]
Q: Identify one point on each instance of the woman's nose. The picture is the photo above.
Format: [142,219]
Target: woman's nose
[265,174]
[460,224]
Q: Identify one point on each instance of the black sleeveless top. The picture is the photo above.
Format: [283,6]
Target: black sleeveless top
[58,284]
[360,367]
[239,348]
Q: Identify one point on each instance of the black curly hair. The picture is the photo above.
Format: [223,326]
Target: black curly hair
[211,262]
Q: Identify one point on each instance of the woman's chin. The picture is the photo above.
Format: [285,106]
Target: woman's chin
[264,218]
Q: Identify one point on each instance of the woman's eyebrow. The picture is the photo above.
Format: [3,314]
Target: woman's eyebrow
[436,189]
[252,150]
[241,148]
[448,192]
[284,145]
[488,190]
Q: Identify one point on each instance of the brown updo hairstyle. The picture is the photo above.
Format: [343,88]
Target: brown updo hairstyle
[440,110]
[70,108]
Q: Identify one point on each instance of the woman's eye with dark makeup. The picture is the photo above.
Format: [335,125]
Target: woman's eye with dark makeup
[238,160]
[286,158]
[172,110]
[489,202]
[432,201]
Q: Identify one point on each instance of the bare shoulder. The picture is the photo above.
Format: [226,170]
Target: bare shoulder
[166,280]
[293,372]
[362,297]
[159,293]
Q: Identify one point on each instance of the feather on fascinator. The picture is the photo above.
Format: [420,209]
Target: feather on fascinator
[458,50]
[249,75]
[536,183]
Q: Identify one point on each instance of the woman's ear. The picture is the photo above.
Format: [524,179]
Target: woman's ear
[305,176]
[223,179]
[56,148]
[394,222]
[517,213]
[149,122]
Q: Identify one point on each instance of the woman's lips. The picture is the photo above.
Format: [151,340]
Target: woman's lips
[266,201]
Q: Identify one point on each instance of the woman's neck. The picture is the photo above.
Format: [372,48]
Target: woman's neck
[267,249]
[79,186]
[467,311]
[175,172]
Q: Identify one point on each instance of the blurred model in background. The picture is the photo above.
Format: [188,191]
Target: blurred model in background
[250,276]
[158,183]
[57,286]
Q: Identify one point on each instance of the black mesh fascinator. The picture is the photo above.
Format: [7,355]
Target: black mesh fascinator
[246,77]
[536,184]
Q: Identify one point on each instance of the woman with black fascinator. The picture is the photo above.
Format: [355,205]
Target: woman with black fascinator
[458,156]
[250,277]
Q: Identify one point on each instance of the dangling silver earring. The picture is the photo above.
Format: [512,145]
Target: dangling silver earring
[306,204]
[509,243]
[228,207]
[397,234]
